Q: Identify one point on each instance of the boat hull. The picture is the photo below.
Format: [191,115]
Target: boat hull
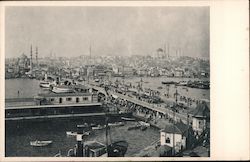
[40,143]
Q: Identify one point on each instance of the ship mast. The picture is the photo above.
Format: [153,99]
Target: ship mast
[31,58]
[176,100]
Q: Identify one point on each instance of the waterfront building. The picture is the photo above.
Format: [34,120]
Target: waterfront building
[142,72]
[127,70]
[178,72]
[174,136]
[200,118]
[153,72]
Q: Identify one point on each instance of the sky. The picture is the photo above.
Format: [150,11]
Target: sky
[70,31]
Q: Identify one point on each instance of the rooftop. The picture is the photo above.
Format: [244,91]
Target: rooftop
[179,128]
[201,110]
[52,94]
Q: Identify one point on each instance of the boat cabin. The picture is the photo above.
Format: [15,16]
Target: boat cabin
[79,96]
[94,149]
[66,98]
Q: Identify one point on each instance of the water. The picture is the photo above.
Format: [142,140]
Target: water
[30,87]
[155,82]
[27,88]
[19,135]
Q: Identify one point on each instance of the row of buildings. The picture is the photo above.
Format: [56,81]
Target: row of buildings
[107,66]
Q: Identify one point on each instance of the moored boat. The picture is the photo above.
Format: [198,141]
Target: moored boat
[62,89]
[143,127]
[40,143]
[168,82]
[98,127]
[128,119]
[68,133]
[142,123]
[45,84]
[116,124]
[159,87]
[87,133]
[134,127]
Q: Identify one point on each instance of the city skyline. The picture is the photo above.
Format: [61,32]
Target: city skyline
[70,31]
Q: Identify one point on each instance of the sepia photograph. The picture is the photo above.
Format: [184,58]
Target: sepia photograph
[107,81]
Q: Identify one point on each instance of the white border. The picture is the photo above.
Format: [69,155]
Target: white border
[229,60]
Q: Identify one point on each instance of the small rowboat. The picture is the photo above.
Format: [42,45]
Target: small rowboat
[71,133]
[116,124]
[75,133]
[40,143]
[143,127]
[134,127]
[144,124]
[99,127]
[128,119]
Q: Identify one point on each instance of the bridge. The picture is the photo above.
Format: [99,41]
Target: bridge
[29,105]
[158,108]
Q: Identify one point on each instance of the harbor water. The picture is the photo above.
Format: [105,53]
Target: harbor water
[19,135]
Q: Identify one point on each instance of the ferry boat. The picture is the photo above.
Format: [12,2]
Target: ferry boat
[40,143]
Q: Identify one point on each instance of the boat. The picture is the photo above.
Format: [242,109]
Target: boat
[143,127]
[62,89]
[128,119]
[168,82]
[134,127]
[40,143]
[87,133]
[116,124]
[183,83]
[142,123]
[98,127]
[97,80]
[117,149]
[71,133]
[85,125]
[159,87]
[45,84]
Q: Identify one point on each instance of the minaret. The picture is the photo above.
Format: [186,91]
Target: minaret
[31,58]
[90,54]
[36,56]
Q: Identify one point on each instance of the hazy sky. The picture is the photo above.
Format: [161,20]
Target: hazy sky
[69,31]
